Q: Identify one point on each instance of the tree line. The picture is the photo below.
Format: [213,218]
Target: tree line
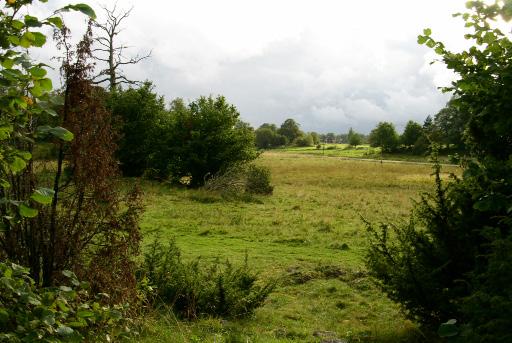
[446,130]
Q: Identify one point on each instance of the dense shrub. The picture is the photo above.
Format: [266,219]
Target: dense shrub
[230,182]
[204,138]
[143,118]
[57,314]
[239,181]
[194,290]
[258,180]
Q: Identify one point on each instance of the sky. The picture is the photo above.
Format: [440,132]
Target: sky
[328,64]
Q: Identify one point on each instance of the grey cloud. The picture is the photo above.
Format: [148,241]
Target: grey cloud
[292,79]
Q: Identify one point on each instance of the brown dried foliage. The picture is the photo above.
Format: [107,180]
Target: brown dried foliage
[90,226]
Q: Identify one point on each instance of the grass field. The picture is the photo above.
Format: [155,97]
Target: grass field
[359,152]
[308,235]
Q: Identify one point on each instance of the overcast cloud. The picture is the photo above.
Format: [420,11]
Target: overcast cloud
[330,65]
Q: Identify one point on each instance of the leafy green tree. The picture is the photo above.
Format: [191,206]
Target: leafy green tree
[143,120]
[204,138]
[271,127]
[290,129]
[450,124]
[384,136]
[316,137]
[354,139]
[453,259]
[267,137]
[264,138]
[412,132]
[303,141]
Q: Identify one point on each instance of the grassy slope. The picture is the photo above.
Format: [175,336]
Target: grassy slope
[295,236]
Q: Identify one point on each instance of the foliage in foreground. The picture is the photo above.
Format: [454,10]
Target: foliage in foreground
[452,262]
[55,314]
[194,290]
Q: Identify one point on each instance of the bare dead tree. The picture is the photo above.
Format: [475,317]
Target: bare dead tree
[107,51]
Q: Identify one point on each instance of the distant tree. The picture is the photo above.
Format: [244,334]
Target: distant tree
[412,132]
[279,141]
[264,138]
[316,137]
[450,124]
[354,139]
[330,138]
[303,141]
[384,136]
[290,129]
[342,138]
[205,137]
[271,127]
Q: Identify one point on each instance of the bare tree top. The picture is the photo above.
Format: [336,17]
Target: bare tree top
[109,52]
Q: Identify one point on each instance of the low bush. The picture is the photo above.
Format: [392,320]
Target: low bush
[241,182]
[258,180]
[194,290]
[55,314]
[231,181]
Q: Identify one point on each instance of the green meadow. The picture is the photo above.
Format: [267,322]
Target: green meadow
[308,236]
[359,152]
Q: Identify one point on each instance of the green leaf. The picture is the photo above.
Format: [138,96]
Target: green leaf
[57,21]
[66,289]
[448,329]
[422,39]
[33,300]
[14,40]
[427,32]
[85,9]
[36,90]
[4,316]
[24,155]
[43,196]
[17,164]
[37,72]
[31,21]
[65,330]
[5,131]
[48,318]
[17,24]
[62,305]
[50,112]
[39,39]
[7,63]
[24,42]
[78,324]
[61,133]
[85,314]
[27,212]
[46,84]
